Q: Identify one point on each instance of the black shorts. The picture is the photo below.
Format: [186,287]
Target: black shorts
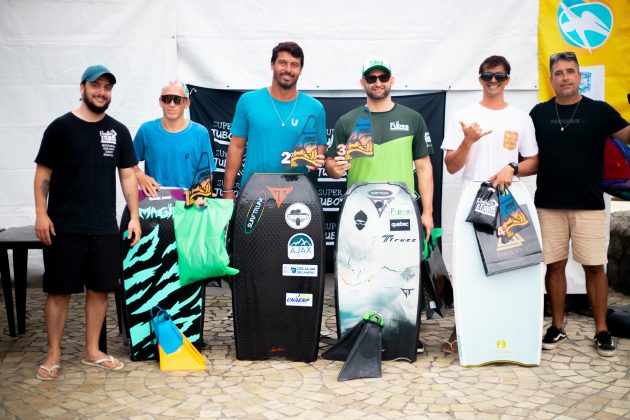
[74,262]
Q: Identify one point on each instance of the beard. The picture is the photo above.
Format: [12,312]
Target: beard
[283,84]
[92,106]
[384,94]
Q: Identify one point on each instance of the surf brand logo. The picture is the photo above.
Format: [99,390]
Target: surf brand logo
[300,247]
[360,219]
[510,139]
[393,238]
[279,194]
[400,224]
[156,213]
[399,211]
[380,199]
[487,207]
[397,126]
[298,270]
[298,216]
[108,142]
[406,292]
[255,212]
[585,25]
[501,344]
[516,241]
[299,299]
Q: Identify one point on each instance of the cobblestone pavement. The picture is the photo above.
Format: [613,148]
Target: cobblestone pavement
[572,382]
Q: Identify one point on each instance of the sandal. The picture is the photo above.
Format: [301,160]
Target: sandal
[49,370]
[450,347]
[100,363]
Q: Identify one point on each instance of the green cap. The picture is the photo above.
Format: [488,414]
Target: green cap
[94,72]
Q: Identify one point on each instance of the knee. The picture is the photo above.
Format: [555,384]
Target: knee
[557,267]
[593,270]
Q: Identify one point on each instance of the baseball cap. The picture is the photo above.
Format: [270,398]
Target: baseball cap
[376,63]
[94,72]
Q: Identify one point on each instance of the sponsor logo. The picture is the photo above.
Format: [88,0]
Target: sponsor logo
[396,239]
[298,216]
[380,199]
[360,219]
[400,224]
[397,126]
[400,211]
[510,139]
[487,207]
[300,247]
[159,213]
[585,25]
[297,270]
[406,292]
[279,194]
[255,212]
[427,140]
[501,344]
[299,299]
[108,142]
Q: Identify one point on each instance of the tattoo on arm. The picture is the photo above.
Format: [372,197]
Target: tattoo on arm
[45,187]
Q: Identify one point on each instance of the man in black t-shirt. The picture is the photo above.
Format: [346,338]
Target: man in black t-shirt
[571,131]
[75,198]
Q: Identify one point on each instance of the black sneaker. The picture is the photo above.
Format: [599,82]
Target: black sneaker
[604,344]
[552,338]
[419,347]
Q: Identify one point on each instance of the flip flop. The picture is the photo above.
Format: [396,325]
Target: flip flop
[99,363]
[49,370]
[449,347]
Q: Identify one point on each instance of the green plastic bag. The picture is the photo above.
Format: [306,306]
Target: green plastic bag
[200,238]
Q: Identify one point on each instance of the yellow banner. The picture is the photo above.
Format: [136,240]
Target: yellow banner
[599,33]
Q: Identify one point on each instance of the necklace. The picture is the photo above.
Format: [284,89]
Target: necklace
[570,119]
[278,114]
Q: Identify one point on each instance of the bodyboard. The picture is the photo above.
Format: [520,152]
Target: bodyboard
[499,318]
[150,278]
[377,264]
[278,246]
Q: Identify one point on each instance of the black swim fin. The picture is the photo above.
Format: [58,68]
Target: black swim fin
[364,360]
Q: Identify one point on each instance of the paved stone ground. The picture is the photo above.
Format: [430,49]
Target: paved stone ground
[572,382]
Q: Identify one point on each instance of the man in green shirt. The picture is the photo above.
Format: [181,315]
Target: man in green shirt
[400,137]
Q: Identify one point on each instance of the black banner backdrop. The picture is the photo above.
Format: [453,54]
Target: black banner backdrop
[214,108]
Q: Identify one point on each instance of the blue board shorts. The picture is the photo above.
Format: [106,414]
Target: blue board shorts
[75,262]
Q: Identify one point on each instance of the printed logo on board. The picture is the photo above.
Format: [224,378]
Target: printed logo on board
[299,270]
[279,194]
[360,219]
[298,216]
[399,224]
[299,299]
[156,213]
[406,292]
[380,199]
[397,239]
[400,211]
[300,247]
[108,142]
[585,25]
[255,212]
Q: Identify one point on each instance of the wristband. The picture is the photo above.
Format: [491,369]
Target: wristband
[515,167]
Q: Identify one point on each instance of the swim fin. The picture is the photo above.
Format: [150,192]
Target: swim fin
[364,360]
[175,350]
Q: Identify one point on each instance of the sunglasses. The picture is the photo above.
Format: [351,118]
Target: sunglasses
[567,56]
[384,78]
[487,76]
[167,99]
